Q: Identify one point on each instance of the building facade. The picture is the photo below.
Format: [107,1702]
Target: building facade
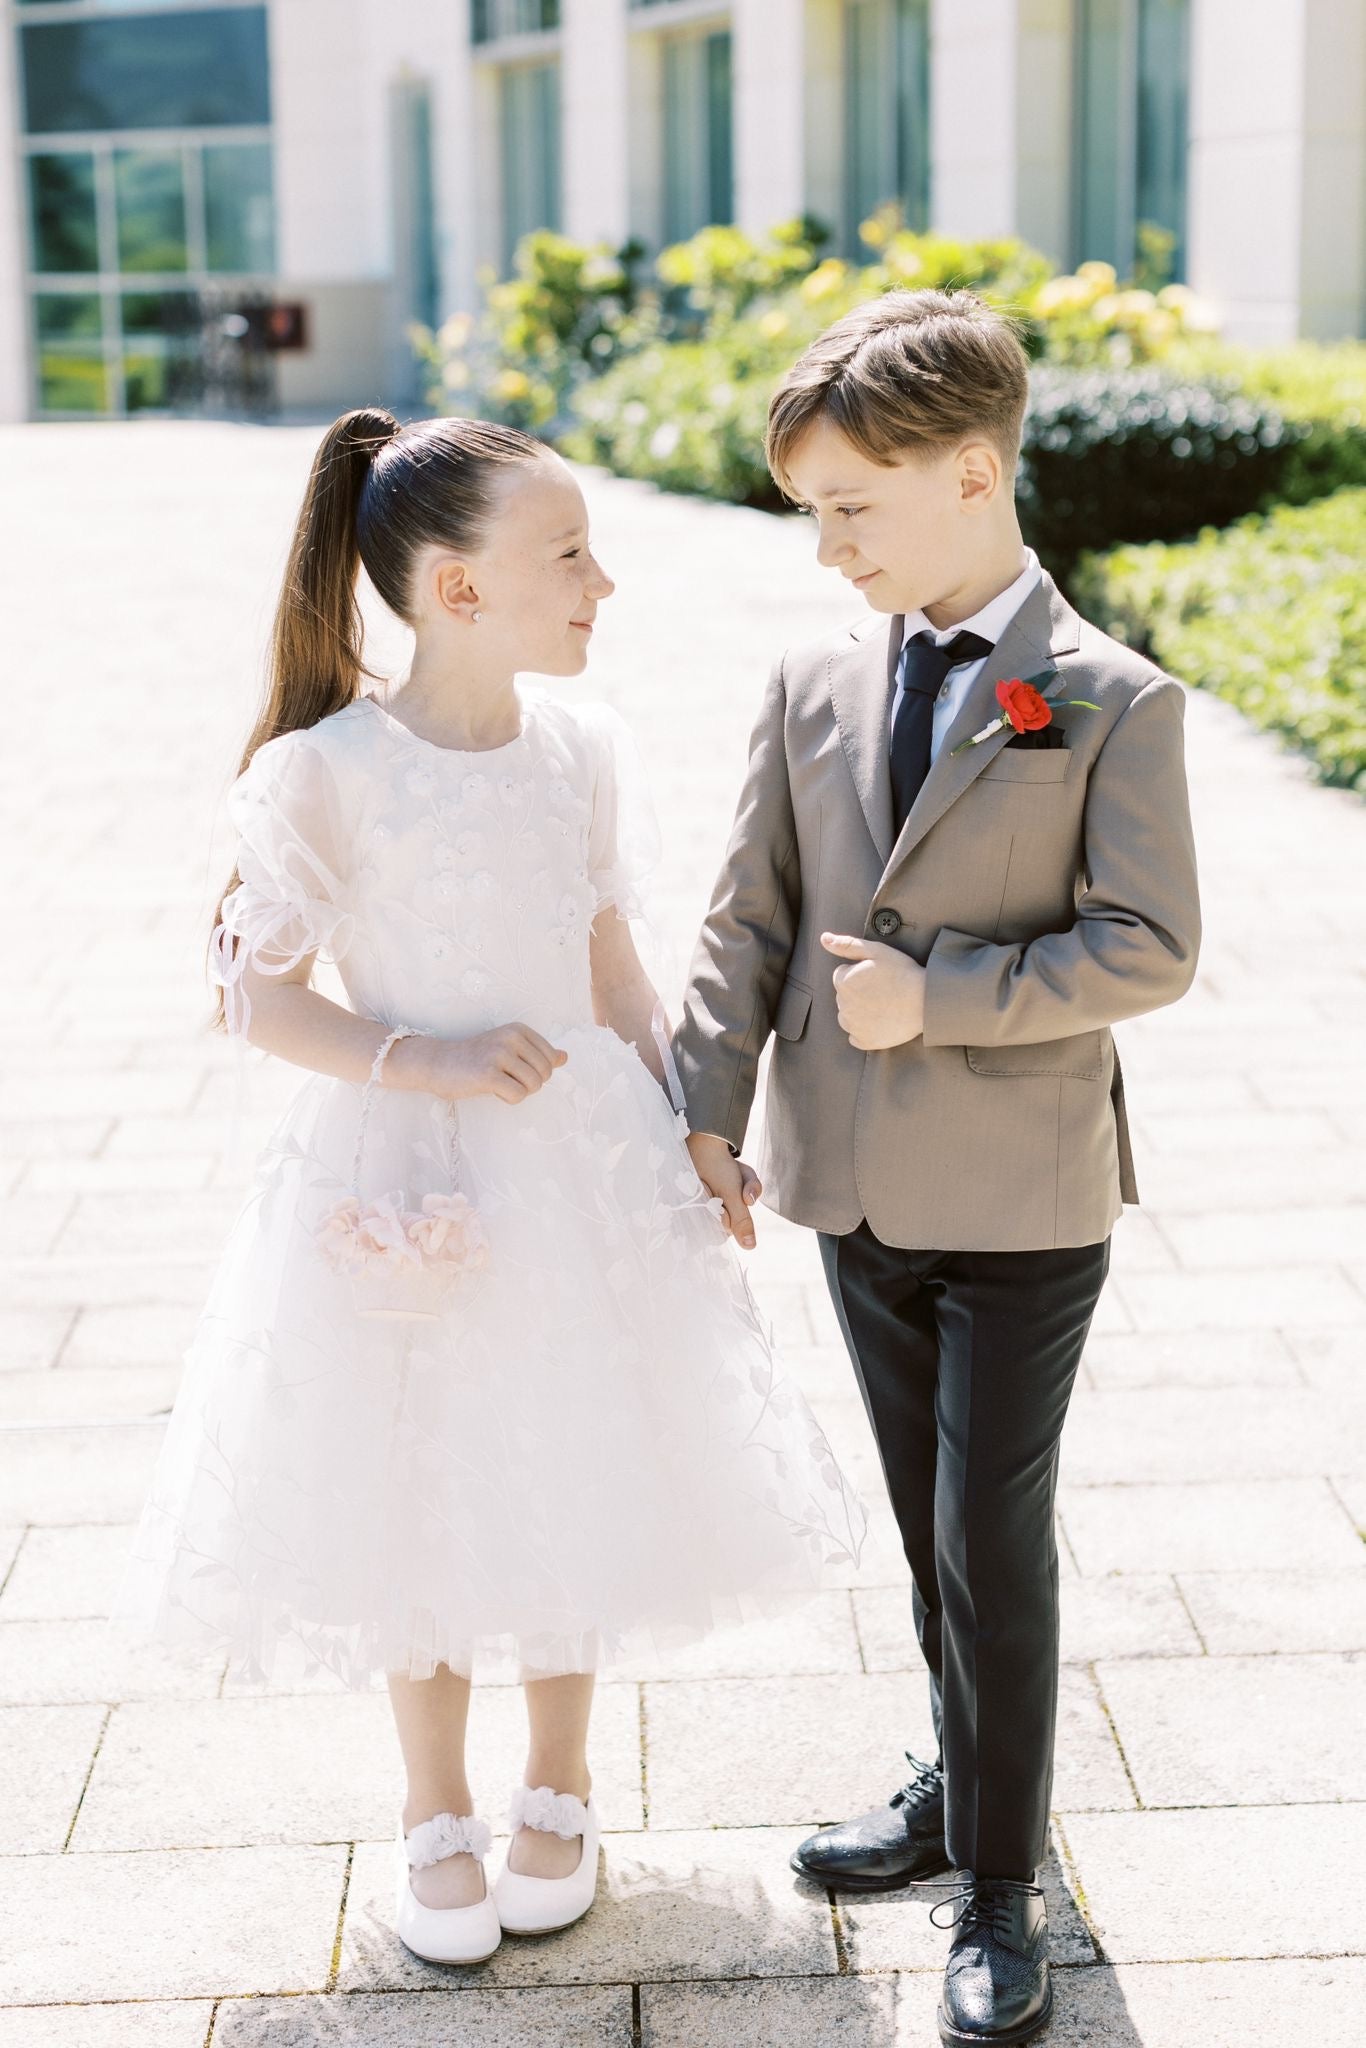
[193,192]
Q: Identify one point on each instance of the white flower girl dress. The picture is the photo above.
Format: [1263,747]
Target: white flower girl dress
[577,1443]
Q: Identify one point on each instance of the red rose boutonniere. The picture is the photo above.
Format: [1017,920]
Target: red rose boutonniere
[1025,706]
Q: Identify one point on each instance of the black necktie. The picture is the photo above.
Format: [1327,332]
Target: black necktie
[924,668]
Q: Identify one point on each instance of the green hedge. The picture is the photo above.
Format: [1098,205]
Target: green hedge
[1318,388]
[1270,614]
[1116,455]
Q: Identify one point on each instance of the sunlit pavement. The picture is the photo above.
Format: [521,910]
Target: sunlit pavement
[177,1866]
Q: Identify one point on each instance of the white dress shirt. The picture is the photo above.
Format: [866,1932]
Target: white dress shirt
[991,621]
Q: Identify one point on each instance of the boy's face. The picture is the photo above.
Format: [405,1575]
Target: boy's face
[907,535]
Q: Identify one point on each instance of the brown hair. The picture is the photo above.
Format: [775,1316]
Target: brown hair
[908,372]
[378,493]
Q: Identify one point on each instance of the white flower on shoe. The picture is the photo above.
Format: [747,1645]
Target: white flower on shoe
[447,1834]
[554,1813]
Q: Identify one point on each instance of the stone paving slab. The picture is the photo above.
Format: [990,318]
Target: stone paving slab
[670,1904]
[45,1756]
[1272,1524]
[45,1662]
[1219,1731]
[62,1394]
[1203,2005]
[1189,1360]
[187,1773]
[585,2018]
[764,1752]
[151,2023]
[1262,1613]
[1138,1615]
[1197,1885]
[1126,1436]
[178,1924]
[847,2012]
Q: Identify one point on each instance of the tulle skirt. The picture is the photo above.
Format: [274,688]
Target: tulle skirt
[583,1451]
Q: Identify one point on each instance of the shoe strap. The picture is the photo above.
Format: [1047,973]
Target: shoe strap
[553,1813]
[447,1834]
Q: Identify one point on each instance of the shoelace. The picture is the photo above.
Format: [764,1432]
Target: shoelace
[981,1898]
[927,1783]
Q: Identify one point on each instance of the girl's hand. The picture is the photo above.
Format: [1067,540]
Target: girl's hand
[738,1185]
[511,1062]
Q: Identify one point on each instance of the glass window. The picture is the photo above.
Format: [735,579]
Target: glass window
[887,111]
[490,19]
[171,313]
[62,208]
[199,69]
[1163,120]
[72,382]
[1131,127]
[239,207]
[698,184]
[530,133]
[63,316]
[149,200]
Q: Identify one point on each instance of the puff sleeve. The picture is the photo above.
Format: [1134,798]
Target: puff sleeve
[291,899]
[623,837]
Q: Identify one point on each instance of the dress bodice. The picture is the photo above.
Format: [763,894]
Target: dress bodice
[455,890]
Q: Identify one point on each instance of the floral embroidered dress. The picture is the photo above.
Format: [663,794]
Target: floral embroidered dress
[583,1445]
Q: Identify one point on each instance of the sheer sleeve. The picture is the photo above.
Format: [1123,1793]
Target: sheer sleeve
[623,838]
[291,898]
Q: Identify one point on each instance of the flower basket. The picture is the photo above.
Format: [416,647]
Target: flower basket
[400,1262]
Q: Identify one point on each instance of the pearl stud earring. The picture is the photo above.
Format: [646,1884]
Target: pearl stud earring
[475,617]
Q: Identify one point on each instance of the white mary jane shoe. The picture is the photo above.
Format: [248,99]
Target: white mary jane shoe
[540,1905]
[444,1934]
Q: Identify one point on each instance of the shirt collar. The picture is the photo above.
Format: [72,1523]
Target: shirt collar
[992,620]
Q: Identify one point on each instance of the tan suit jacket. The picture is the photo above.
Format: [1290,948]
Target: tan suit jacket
[1048,893]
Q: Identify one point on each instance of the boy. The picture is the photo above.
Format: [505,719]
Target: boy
[962,852]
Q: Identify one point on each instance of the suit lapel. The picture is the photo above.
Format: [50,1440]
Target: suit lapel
[1044,628]
[862,680]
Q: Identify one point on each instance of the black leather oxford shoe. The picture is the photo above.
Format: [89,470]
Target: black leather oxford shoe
[891,1846]
[996,1986]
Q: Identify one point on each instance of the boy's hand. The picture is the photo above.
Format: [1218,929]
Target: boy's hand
[738,1185]
[880,993]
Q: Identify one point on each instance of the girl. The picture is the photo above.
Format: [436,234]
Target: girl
[479,1367]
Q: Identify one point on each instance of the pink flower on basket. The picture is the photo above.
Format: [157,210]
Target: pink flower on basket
[384,1238]
[449,1231]
[351,1238]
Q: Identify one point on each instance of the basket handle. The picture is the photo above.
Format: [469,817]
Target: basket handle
[367,1096]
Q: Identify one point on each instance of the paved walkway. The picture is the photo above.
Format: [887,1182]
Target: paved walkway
[178,1868]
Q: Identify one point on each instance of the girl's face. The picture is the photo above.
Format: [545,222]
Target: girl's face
[535,583]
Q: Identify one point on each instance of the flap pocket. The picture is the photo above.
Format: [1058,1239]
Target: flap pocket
[789,1019]
[1075,1059]
[1028,764]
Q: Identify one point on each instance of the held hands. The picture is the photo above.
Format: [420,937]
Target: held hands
[738,1185]
[512,1062]
[880,993]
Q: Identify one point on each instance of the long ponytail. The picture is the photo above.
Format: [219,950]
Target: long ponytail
[377,493]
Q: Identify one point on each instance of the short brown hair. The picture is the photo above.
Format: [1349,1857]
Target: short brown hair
[910,370]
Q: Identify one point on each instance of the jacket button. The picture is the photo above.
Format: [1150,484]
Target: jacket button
[885,922]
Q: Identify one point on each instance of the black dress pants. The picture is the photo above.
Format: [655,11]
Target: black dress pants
[966,1362]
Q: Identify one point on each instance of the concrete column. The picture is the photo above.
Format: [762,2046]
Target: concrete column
[769,70]
[1278,155]
[974,117]
[15,394]
[1043,127]
[594,88]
